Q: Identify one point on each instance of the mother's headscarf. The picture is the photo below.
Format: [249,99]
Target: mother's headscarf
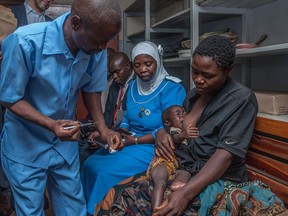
[151,49]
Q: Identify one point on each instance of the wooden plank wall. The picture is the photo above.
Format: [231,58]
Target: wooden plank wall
[267,158]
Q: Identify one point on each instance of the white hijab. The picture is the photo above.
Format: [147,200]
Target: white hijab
[151,49]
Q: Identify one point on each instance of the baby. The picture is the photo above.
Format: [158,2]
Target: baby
[161,170]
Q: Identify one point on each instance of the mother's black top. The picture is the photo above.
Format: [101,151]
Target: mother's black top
[227,122]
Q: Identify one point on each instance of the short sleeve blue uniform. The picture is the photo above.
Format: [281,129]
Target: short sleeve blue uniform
[39,68]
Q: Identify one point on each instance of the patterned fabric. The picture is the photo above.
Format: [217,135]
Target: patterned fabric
[219,198]
[104,207]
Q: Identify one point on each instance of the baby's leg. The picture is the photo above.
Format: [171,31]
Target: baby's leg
[159,177]
[181,178]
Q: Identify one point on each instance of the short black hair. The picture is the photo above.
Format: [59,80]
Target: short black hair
[220,49]
[122,56]
[166,113]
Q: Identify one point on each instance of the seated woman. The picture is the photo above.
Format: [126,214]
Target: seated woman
[226,113]
[152,92]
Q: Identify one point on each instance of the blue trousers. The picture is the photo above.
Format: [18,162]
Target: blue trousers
[28,185]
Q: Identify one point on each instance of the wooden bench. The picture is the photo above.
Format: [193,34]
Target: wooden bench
[267,158]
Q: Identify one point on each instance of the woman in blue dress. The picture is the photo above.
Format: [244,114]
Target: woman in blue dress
[148,95]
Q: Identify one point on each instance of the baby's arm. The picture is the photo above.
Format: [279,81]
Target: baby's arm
[189,132]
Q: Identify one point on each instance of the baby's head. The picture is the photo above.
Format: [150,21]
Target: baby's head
[173,116]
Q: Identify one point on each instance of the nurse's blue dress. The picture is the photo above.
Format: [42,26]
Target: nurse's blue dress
[103,170]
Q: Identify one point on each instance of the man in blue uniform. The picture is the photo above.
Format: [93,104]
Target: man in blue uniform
[44,66]
[31,11]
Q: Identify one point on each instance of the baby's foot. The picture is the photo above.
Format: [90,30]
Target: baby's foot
[176,185]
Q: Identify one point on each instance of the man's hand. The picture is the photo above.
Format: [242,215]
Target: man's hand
[113,139]
[58,128]
[93,135]
[92,144]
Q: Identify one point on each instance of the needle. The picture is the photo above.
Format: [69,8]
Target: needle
[81,125]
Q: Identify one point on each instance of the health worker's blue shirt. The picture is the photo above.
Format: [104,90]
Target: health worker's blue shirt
[38,67]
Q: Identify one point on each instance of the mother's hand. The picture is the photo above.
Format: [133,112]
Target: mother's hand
[175,204]
[164,145]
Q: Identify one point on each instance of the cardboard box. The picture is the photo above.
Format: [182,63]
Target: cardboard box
[8,22]
[272,102]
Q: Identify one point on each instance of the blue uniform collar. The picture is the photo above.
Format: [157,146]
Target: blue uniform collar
[54,42]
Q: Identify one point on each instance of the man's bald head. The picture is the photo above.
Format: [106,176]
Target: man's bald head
[98,12]
[91,25]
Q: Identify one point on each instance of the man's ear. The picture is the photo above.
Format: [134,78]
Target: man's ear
[129,65]
[75,22]
[166,123]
